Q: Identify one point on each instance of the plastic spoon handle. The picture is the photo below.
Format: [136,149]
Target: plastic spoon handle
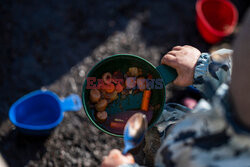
[127,148]
[71,103]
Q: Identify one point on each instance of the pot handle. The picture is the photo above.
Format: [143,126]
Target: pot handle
[168,74]
[71,103]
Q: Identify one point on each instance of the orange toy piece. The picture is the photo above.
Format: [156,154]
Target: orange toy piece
[109,88]
[119,88]
[145,100]
[117,125]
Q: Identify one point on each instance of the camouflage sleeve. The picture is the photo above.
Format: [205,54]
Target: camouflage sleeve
[206,138]
[214,68]
[171,114]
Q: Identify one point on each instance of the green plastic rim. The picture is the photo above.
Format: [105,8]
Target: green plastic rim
[91,72]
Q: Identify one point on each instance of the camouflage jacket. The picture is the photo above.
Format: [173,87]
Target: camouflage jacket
[205,136]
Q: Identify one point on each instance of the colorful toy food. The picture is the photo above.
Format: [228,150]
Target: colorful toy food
[95,95]
[119,88]
[130,82]
[145,100]
[134,72]
[111,86]
[117,125]
[141,83]
[107,77]
[110,96]
[101,116]
[101,105]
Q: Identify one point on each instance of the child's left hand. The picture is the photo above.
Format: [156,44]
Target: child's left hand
[115,158]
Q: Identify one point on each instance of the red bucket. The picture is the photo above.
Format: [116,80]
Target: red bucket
[215,19]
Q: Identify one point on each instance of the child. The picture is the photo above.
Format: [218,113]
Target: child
[217,132]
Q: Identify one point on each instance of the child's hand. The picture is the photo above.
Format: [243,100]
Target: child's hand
[115,158]
[183,59]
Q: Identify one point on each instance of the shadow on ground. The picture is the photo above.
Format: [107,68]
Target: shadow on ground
[20,148]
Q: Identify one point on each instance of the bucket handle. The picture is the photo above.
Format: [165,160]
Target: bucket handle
[71,103]
[168,74]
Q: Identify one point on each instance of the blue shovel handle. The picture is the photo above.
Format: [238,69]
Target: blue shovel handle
[71,103]
[130,142]
[127,148]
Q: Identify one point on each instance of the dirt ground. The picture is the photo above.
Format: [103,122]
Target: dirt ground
[53,44]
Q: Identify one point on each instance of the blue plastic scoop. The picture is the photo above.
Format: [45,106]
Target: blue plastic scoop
[38,112]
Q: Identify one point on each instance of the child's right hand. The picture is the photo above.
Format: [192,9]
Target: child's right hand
[183,59]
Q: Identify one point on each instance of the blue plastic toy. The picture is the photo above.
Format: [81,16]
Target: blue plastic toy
[134,131]
[39,112]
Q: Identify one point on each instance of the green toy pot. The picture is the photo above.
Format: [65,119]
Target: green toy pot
[162,75]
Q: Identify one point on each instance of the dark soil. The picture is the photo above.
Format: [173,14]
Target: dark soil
[53,44]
